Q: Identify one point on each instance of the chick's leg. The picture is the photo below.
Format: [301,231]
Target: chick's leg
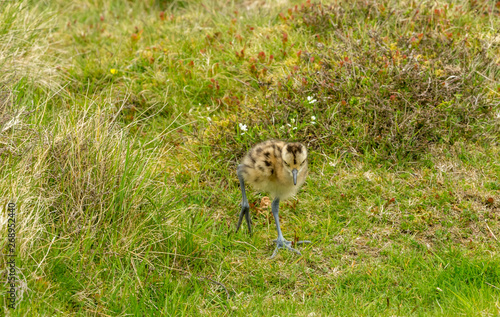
[245,207]
[281,243]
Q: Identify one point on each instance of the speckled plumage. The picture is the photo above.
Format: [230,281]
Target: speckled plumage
[264,168]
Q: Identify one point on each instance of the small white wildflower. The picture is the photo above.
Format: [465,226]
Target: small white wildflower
[282,127]
[498,115]
[313,118]
[332,164]
[243,127]
[243,133]
[292,120]
[312,122]
[311,99]
[288,124]
[294,128]
[209,120]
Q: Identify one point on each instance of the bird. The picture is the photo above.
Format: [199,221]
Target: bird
[278,168]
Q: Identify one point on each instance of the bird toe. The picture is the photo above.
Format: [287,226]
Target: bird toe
[283,244]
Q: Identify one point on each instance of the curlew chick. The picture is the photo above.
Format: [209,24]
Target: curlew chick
[278,168]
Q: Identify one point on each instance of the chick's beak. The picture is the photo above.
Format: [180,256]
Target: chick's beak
[294,173]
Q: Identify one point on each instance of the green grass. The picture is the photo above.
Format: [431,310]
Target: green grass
[120,137]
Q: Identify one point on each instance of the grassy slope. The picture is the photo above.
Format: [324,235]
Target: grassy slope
[122,157]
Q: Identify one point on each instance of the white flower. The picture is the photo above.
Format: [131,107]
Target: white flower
[311,99]
[294,128]
[288,124]
[292,120]
[313,118]
[209,120]
[332,164]
[312,122]
[243,127]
